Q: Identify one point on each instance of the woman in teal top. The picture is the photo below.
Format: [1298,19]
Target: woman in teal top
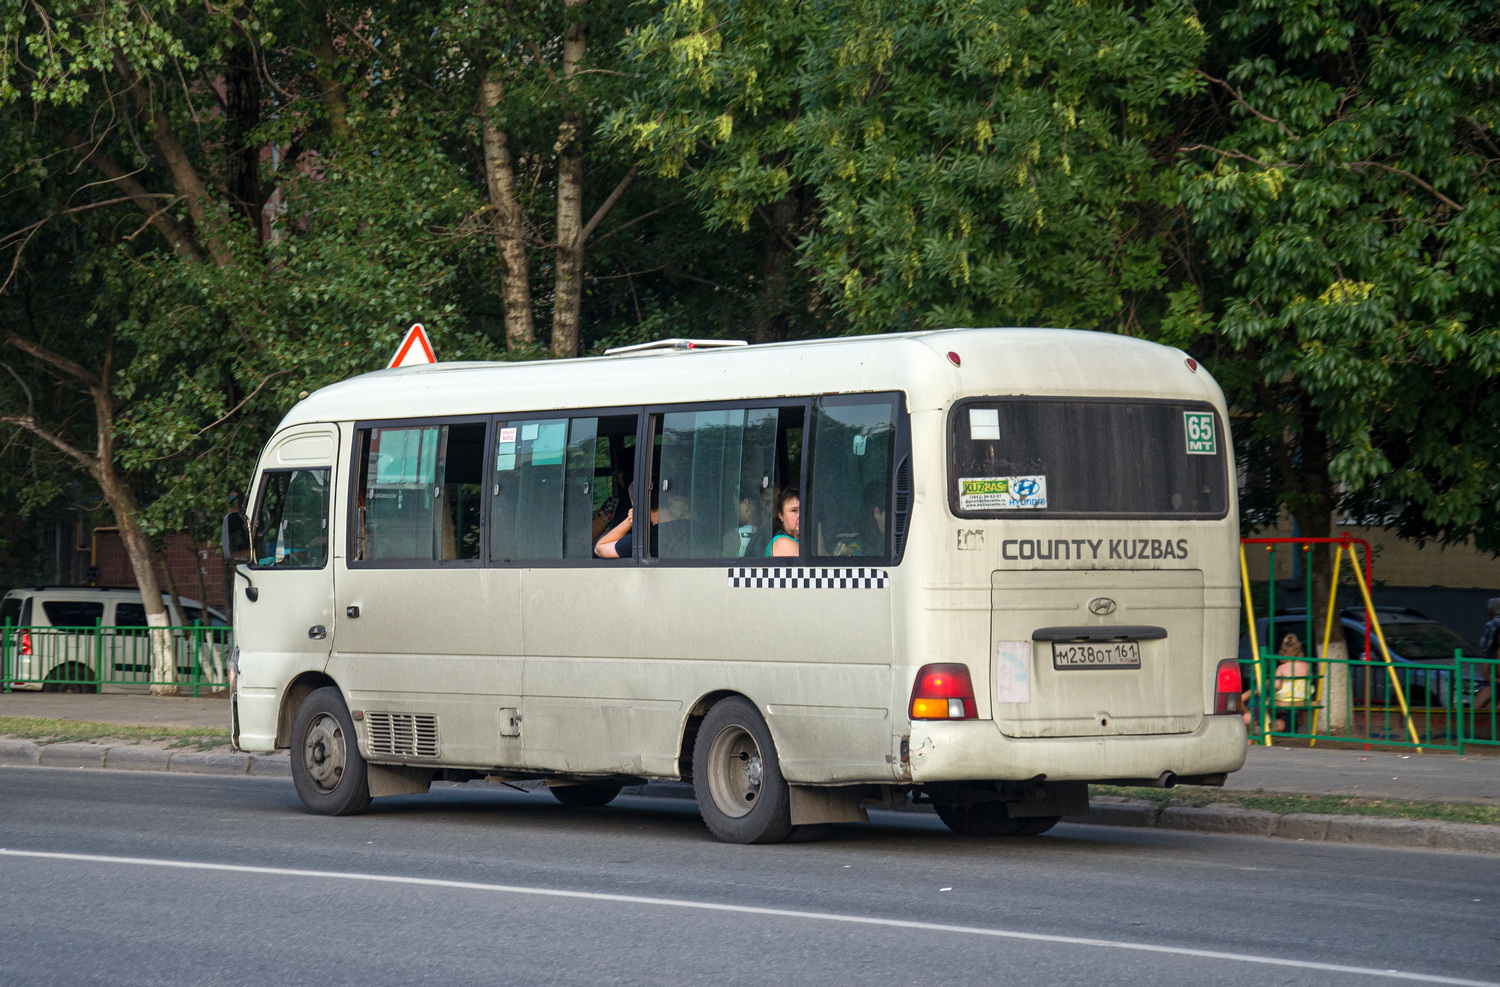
[788,514]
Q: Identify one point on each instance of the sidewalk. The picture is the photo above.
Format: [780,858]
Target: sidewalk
[125,710]
[1439,776]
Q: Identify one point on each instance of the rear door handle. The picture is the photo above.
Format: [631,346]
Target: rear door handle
[317,632]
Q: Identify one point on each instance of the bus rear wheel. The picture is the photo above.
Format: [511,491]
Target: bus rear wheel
[742,796]
[589,795]
[1037,825]
[981,819]
[327,768]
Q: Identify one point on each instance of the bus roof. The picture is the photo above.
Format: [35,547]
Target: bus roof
[992,362]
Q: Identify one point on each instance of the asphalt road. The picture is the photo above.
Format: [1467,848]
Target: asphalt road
[116,878]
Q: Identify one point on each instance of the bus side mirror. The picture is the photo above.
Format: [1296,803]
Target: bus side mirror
[236,539]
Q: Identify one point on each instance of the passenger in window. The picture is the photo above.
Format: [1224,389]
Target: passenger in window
[752,516]
[675,523]
[618,542]
[872,514]
[787,515]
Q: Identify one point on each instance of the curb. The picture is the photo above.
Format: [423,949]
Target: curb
[25,753]
[1307,827]
[1105,810]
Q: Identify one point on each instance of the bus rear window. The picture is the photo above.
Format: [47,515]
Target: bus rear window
[1025,457]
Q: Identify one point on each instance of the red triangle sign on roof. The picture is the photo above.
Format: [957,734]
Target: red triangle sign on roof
[415,349]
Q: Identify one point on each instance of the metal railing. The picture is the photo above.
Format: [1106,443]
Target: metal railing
[96,659]
[1372,697]
[1427,704]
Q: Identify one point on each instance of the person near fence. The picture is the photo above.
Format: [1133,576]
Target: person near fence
[1293,682]
[1489,647]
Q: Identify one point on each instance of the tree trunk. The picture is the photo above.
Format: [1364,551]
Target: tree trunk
[242,91]
[1313,509]
[330,90]
[122,502]
[776,260]
[515,265]
[567,295]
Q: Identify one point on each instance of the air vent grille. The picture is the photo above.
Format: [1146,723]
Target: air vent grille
[902,517]
[402,734]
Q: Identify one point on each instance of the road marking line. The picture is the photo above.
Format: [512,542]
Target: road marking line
[630,899]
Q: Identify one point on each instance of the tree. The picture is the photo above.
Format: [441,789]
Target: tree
[970,163]
[244,281]
[1338,179]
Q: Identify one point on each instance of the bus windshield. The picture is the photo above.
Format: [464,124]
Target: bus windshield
[1020,457]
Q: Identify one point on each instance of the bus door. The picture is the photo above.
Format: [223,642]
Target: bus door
[429,639]
[284,617]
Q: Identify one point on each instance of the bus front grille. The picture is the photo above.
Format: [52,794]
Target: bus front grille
[403,734]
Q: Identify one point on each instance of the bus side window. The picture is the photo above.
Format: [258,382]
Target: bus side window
[291,521]
[419,493]
[549,478]
[850,500]
[718,475]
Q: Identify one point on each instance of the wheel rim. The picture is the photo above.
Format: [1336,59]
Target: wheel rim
[324,752]
[735,771]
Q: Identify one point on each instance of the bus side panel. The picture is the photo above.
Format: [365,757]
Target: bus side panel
[617,657]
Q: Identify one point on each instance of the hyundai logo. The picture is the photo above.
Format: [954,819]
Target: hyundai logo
[1101,606]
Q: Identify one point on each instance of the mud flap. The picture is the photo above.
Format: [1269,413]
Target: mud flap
[826,805]
[392,779]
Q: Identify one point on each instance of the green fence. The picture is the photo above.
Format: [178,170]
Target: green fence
[1436,704]
[113,659]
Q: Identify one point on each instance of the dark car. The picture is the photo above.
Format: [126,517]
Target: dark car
[1418,644]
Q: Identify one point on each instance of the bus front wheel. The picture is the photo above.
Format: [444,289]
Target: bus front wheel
[737,778]
[327,768]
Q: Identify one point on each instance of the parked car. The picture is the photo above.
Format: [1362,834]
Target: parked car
[1416,642]
[81,638]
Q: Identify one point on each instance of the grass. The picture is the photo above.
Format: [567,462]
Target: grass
[49,731]
[1285,804]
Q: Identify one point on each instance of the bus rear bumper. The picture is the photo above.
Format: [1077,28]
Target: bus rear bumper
[976,750]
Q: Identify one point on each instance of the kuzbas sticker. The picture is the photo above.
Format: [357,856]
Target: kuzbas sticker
[1002,493]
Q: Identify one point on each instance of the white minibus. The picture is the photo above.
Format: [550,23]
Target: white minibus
[974,568]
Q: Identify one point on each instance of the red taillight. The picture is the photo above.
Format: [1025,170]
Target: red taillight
[1227,688]
[943,692]
[25,642]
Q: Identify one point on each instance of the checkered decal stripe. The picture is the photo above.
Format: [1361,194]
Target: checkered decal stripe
[745,577]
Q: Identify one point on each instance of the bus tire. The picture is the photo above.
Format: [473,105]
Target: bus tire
[742,796]
[327,768]
[589,795]
[1037,825]
[980,819]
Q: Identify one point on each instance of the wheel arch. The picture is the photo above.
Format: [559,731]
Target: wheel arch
[292,699]
[694,720]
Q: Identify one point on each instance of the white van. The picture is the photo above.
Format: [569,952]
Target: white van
[93,639]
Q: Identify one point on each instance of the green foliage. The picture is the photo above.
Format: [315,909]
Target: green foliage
[1297,192]
[1351,232]
[974,162]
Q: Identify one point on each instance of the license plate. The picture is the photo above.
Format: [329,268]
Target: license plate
[1096,654]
